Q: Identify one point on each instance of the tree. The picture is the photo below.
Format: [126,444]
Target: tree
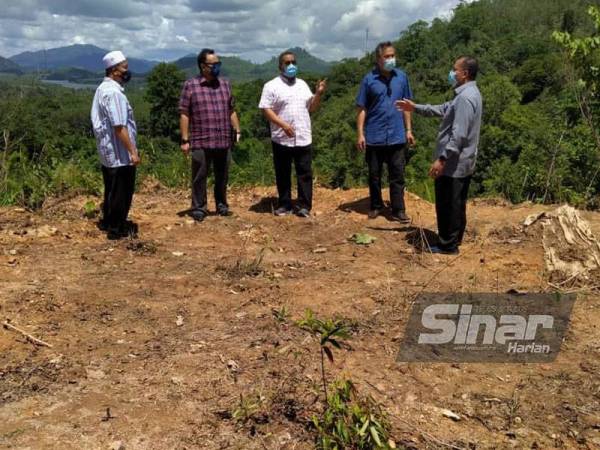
[584,60]
[162,93]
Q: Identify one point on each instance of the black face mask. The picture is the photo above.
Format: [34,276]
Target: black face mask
[126,76]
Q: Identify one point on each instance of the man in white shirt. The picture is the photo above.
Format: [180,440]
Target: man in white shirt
[287,102]
[116,131]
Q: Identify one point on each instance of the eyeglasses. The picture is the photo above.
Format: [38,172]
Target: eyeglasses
[218,63]
[287,63]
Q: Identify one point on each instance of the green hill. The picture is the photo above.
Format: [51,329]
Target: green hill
[307,63]
[7,66]
[534,144]
[86,57]
[234,68]
[75,75]
[240,70]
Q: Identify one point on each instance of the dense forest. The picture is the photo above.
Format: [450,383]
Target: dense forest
[539,139]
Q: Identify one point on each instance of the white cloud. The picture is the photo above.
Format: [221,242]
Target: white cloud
[255,29]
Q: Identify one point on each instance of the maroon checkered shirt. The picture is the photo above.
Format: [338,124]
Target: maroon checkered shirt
[209,106]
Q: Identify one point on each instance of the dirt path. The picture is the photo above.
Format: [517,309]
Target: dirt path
[158,341]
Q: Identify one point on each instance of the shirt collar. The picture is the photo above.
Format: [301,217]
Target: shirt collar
[378,73]
[287,80]
[116,83]
[205,82]
[461,88]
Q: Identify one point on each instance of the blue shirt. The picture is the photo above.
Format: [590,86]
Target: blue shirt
[111,108]
[384,124]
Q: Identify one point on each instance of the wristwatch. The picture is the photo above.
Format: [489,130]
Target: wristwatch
[185,141]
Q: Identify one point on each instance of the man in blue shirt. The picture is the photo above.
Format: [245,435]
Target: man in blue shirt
[383,131]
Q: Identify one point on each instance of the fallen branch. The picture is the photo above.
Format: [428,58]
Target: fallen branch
[7,325]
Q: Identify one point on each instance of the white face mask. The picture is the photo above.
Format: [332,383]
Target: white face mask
[389,64]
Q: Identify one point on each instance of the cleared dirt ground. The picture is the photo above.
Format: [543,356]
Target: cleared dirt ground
[156,342]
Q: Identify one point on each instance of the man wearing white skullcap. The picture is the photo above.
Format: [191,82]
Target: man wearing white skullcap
[116,132]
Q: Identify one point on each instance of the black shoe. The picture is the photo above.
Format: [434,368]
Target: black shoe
[102,225]
[400,217]
[198,216]
[282,211]
[374,213]
[303,212]
[442,251]
[223,211]
[114,234]
[130,229]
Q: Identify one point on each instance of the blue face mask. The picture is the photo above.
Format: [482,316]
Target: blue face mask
[215,70]
[452,78]
[290,71]
[389,64]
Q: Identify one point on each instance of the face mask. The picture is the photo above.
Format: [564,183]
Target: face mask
[215,70]
[290,71]
[389,64]
[452,78]
[126,76]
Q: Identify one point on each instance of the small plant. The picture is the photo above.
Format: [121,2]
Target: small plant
[347,421]
[244,268]
[352,422]
[330,332]
[281,315]
[513,406]
[90,210]
[363,239]
[246,408]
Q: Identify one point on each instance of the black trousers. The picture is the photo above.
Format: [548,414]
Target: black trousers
[302,159]
[451,210]
[395,158]
[119,185]
[202,159]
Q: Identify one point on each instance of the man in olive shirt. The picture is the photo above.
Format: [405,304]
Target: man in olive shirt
[456,151]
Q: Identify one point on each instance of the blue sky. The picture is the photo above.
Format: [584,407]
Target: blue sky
[252,29]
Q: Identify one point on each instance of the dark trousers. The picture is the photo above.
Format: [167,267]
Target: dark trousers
[202,159]
[302,159]
[119,185]
[451,210]
[395,158]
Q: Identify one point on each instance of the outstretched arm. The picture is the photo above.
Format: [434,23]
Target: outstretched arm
[424,110]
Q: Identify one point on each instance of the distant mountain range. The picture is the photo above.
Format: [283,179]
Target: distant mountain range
[239,69]
[84,63]
[7,66]
[85,57]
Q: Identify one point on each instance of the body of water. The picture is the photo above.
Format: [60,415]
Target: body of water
[70,84]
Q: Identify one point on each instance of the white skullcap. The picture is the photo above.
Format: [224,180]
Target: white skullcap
[111,59]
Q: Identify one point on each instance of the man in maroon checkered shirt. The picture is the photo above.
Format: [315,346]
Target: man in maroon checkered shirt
[208,123]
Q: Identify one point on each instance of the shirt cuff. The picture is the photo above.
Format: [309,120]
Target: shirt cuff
[449,151]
